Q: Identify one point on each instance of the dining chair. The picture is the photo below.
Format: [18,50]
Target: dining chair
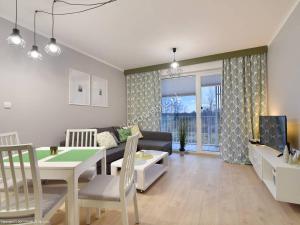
[83,138]
[11,138]
[106,191]
[29,204]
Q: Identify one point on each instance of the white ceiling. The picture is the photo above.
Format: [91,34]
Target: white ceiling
[135,33]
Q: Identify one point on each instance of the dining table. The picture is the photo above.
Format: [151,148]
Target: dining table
[67,165]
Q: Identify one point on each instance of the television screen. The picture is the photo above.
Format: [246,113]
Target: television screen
[273,131]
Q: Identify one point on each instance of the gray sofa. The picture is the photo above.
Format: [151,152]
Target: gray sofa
[161,141]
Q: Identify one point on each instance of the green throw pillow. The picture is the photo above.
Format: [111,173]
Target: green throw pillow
[124,134]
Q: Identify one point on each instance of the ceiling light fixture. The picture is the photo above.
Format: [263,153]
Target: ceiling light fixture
[174,64]
[174,69]
[34,52]
[52,48]
[15,39]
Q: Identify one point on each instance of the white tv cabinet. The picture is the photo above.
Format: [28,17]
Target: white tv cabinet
[282,179]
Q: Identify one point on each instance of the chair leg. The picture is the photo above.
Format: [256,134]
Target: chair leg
[66,212]
[100,213]
[136,210]
[124,214]
[88,216]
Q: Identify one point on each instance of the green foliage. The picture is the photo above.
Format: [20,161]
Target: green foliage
[182,134]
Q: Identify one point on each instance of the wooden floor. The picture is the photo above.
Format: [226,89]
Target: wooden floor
[203,190]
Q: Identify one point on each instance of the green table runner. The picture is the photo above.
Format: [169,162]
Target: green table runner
[40,154]
[74,156]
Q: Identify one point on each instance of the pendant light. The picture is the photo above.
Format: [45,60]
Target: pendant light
[34,52]
[174,64]
[52,48]
[174,69]
[15,39]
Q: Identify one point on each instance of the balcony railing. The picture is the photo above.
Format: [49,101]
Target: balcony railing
[210,127]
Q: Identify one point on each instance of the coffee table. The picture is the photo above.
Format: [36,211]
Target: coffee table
[147,169]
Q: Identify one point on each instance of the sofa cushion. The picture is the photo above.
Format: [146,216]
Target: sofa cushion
[106,139]
[136,130]
[153,144]
[109,129]
[115,153]
[124,133]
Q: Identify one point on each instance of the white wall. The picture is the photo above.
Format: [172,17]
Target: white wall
[284,75]
[39,92]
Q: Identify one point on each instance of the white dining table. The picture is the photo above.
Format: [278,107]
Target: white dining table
[70,171]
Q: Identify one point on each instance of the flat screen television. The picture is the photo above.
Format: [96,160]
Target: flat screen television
[273,131]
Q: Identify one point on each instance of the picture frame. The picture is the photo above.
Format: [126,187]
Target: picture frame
[99,92]
[79,88]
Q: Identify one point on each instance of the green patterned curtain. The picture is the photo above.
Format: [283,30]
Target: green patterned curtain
[243,101]
[144,100]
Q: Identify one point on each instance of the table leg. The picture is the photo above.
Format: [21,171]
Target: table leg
[165,161]
[141,180]
[103,164]
[103,172]
[114,170]
[73,207]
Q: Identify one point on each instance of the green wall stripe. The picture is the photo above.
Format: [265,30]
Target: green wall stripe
[203,59]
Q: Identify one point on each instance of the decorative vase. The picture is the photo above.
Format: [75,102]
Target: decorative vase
[286,154]
[291,159]
[296,158]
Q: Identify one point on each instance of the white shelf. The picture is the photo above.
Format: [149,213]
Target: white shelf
[270,185]
[282,179]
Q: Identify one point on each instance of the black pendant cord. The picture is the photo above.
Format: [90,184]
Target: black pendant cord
[97,5]
[16,21]
[81,4]
[94,6]
[34,27]
[52,12]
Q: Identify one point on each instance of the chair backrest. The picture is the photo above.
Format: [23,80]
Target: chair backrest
[81,138]
[11,138]
[15,166]
[127,170]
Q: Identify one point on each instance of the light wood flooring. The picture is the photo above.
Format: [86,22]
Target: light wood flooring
[203,190]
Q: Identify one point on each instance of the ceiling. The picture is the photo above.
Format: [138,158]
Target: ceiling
[136,33]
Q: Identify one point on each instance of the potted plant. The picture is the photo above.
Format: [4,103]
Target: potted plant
[182,136]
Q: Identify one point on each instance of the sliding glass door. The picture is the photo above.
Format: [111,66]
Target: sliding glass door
[179,106]
[194,100]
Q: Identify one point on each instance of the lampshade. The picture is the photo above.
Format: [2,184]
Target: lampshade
[15,39]
[34,53]
[52,48]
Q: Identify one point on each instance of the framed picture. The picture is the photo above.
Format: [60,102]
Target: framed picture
[79,88]
[99,92]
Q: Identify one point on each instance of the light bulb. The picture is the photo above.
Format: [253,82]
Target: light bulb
[15,39]
[34,53]
[52,48]
[174,65]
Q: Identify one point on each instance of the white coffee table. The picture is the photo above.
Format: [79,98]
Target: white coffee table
[146,171]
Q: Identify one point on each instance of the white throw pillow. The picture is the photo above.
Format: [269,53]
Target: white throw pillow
[106,140]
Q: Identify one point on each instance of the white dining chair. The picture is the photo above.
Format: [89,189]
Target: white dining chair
[11,138]
[106,191]
[30,204]
[83,138]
